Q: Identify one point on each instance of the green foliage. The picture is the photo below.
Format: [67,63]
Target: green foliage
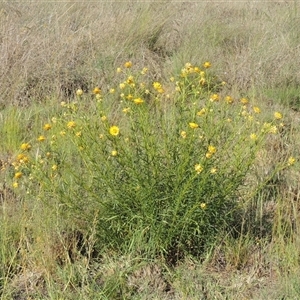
[159,165]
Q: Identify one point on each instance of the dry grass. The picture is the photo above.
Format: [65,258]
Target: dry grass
[53,49]
[48,50]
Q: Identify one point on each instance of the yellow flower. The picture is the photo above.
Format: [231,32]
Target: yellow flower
[229,99]
[114,153]
[63,103]
[214,97]
[119,70]
[207,65]
[111,91]
[253,136]
[198,168]
[129,97]
[79,92]
[15,185]
[47,126]
[256,110]
[269,128]
[122,85]
[202,112]
[71,124]
[138,101]
[22,158]
[203,205]
[128,64]
[25,146]
[193,125]
[291,161]
[130,79]
[244,101]
[54,167]
[213,170]
[62,133]
[212,149]
[158,87]
[41,138]
[103,118]
[183,134]
[126,110]
[96,90]
[277,115]
[114,130]
[144,71]
[18,175]
[78,134]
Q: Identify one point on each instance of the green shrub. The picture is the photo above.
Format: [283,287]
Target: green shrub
[160,166]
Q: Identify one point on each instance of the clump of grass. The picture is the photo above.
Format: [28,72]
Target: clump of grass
[160,166]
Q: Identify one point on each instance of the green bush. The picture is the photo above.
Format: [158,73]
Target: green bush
[160,166]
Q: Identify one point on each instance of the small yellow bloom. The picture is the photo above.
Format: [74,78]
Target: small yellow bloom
[269,128]
[111,91]
[119,70]
[126,110]
[183,134]
[78,134]
[18,175]
[193,125]
[214,98]
[114,130]
[229,99]
[96,90]
[256,110]
[203,205]
[47,126]
[41,138]
[62,133]
[138,101]
[22,158]
[63,103]
[15,185]
[25,146]
[71,124]
[101,136]
[114,153]
[202,112]
[128,64]
[253,136]
[291,161]
[158,87]
[144,71]
[130,80]
[103,118]
[79,92]
[212,149]
[244,101]
[213,170]
[207,65]
[54,167]
[277,115]
[129,97]
[172,79]
[122,85]
[198,168]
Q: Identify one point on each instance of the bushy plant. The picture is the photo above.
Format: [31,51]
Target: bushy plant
[160,165]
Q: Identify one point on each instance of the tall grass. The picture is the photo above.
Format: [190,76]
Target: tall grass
[179,196]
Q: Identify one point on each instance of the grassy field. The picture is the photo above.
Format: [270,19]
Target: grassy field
[149,150]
